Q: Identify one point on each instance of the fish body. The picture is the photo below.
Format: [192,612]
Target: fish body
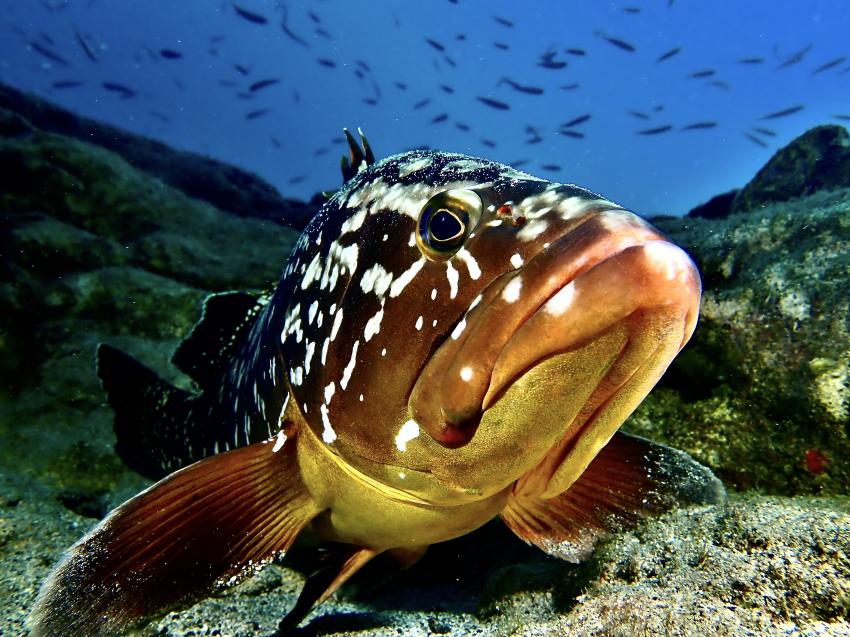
[450,340]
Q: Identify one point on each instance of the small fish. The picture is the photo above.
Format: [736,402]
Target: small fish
[439,119]
[489,143]
[581,119]
[435,45]
[64,84]
[751,60]
[256,113]
[783,113]
[401,86]
[242,69]
[552,168]
[569,87]
[829,65]
[720,84]
[324,150]
[450,61]
[696,75]
[122,90]
[363,65]
[503,21]
[796,58]
[261,84]
[322,33]
[445,88]
[845,118]
[297,179]
[571,133]
[668,54]
[497,104]
[462,126]
[699,126]
[656,130]
[284,26]
[371,101]
[638,114]
[48,53]
[576,52]
[250,16]
[502,46]
[548,61]
[755,140]
[85,46]
[764,131]
[326,63]
[315,18]
[632,10]
[617,42]
[170,54]
[450,341]
[422,103]
[521,88]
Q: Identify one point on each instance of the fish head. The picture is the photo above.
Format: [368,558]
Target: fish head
[456,326]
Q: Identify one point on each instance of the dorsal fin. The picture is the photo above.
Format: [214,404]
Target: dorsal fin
[358,158]
[225,319]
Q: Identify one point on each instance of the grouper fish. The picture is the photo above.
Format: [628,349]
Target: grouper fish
[451,340]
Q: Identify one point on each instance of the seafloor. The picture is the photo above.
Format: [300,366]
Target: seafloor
[110,237]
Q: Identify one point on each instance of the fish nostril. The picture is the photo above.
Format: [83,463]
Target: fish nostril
[458,428]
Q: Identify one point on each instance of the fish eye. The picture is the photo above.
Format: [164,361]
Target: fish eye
[445,221]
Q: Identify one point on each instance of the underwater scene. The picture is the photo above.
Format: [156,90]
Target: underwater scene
[456,317]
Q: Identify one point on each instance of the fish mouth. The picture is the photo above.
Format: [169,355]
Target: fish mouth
[610,272]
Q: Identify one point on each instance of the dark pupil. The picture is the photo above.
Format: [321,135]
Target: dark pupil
[445,225]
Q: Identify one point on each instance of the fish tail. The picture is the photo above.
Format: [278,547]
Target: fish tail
[202,527]
[151,415]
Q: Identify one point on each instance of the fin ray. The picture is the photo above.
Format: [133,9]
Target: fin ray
[204,526]
[629,478]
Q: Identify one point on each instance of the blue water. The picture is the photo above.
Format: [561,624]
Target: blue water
[184,102]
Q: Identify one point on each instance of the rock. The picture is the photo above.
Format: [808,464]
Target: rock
[817,160]
[717,207]
[97,250]
[763,387]
[226,187]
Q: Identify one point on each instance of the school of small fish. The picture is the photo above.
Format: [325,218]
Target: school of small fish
[307,28]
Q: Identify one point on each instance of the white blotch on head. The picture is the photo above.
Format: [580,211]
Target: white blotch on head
[414,166]
[412,240]
[346,373]
[325,350]
[337,323]
[353,222]
[329,393]
[313,272]
[373,325]
[328,434]
[311,311]
[511,292]
[384,352]
[471,264]
[361,398]
[532,230]
[433,293]
[319,319]
[419,323]
[278,444]
[386,236]
[562,300]
[495,222]
[466,373]
[458,330]
[408,432]
[406,277]
[453,277]
[462,166]
[308,356]
[434,323]
[376,279]
[574,207]
[516,261]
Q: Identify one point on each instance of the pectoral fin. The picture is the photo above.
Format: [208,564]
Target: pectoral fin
[203,526]
[629,478]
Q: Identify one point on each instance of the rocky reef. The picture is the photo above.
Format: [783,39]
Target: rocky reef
[100,243]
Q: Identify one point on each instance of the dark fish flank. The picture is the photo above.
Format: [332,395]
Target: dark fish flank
[367,307]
